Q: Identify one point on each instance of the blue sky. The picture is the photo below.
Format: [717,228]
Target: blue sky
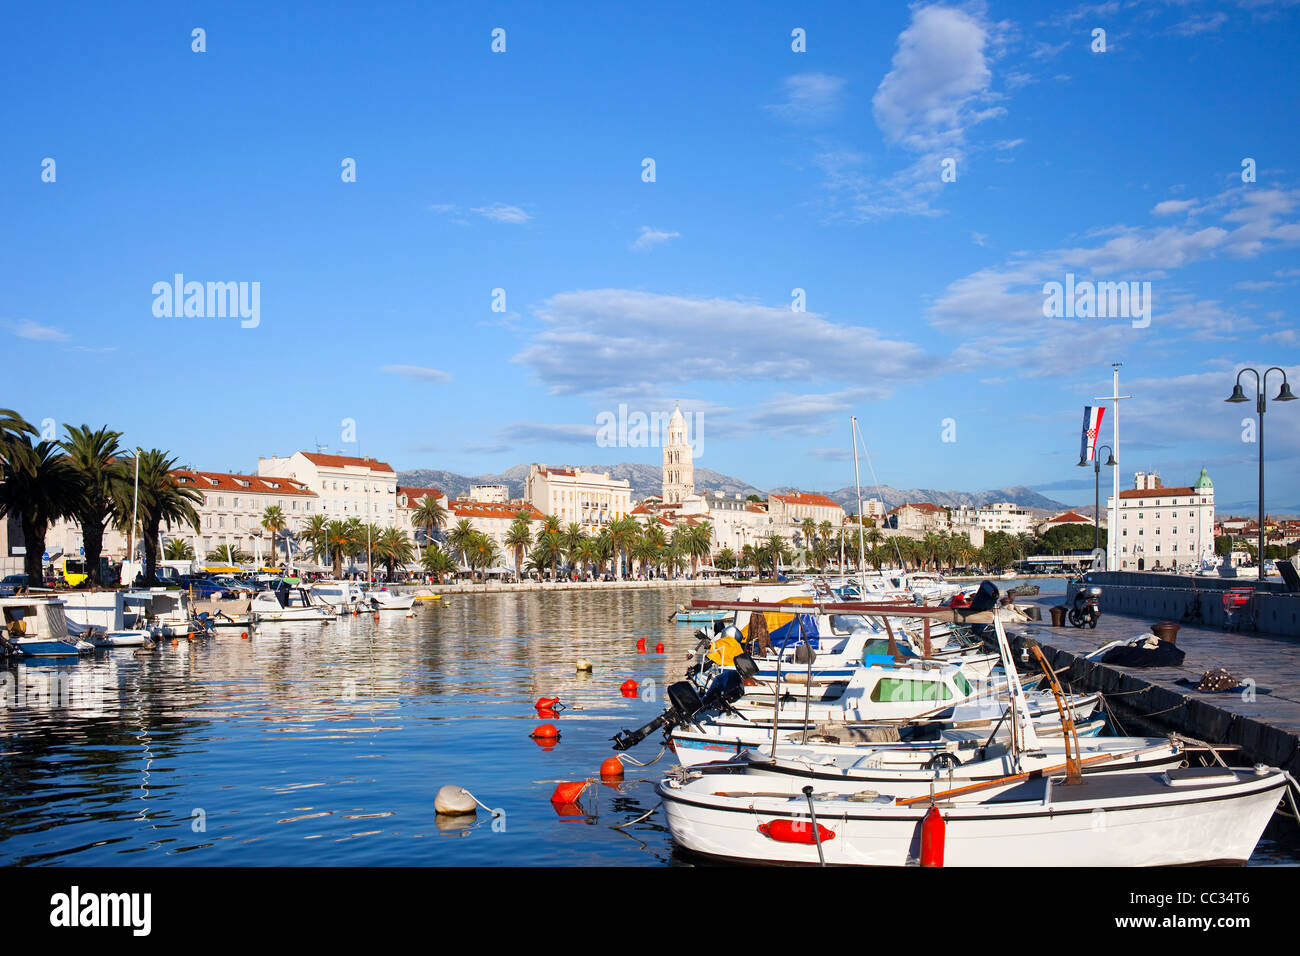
[775,170]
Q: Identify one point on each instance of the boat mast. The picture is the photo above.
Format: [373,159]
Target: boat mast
[857,480]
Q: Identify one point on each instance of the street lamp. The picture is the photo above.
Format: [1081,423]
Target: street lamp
[1237,396]
[1096,494]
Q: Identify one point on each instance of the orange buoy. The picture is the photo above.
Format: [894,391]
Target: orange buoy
[932,836]
[568,792]
[640,646]
[659,648]
[546,703]
[545,732]
[174,642]
[613,767]
[243,635]
[628,688]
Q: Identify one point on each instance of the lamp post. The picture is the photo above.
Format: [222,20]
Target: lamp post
[1283,395]
[1096,495]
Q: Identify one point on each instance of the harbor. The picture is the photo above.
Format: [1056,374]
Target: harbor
[248,750]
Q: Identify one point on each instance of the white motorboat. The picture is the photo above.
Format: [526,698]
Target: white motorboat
[343,597]
[288,603]
[382,599]
[106,619]
[1178,816]
[164,612]
[35,626]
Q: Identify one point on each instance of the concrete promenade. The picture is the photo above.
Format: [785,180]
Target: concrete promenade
[1263,719]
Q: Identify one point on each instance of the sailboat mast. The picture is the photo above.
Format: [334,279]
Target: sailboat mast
[857,480]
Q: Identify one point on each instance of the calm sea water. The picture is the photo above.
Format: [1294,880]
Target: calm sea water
[326,745]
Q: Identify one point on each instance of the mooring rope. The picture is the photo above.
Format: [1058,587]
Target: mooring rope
[630,759]
[640,818]
[495,813]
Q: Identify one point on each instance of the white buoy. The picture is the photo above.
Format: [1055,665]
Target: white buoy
[584,666]
[455,801]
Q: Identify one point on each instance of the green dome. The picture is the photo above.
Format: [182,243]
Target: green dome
[1203,483]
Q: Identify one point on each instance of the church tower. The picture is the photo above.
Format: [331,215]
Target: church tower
[679,466]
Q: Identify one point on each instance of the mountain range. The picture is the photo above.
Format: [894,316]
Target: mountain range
[647,480]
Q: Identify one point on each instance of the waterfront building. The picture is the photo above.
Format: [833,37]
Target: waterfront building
[492,519]
[592,499]
[1007,517]
[1065,518]
[921,516]
[409,499]
[736,521]
[679,464]
[346,487]
[794,508]
[232,507]
[493,494]
[1161,528]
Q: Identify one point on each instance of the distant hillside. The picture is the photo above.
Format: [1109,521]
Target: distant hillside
[647,480]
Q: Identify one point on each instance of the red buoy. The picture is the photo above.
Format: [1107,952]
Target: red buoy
[545,732]
[613,767]
[628,688]
[568,792]
[794,831]
[640,646]
[546,703]
[243,635]
[659,648]
[932,835]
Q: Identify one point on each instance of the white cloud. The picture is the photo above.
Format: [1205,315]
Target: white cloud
[1171,207]
[649,238]
[418,373]
[27,329]
[499,212]
[809,98]
[628,342]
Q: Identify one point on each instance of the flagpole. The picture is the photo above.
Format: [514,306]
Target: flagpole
[1112,535]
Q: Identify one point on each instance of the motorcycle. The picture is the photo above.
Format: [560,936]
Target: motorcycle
[1086,608]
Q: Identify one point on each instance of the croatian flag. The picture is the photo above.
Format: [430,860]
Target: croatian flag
[1091,428]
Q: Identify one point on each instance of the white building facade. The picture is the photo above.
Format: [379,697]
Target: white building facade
[1159,528]
[346,487]
[591,499]
[679,463]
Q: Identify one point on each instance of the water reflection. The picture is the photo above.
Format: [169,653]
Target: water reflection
[325,745]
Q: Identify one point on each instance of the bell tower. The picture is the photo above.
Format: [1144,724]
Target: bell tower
[679,465]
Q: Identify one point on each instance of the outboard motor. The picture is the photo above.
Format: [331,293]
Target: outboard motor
[685,703]
[986,598]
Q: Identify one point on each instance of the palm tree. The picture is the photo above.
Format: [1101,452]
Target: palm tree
[105,486]
[460,538]
[430,516]
[808,531]
[438,562]
[482,553]
[176,549]
[392,547]
[645,550]
[550,544]
[726,560]
[622,535]
[573,538]
[603,549]
[12,427]
[162,499]
[774,551]
[827,531]
[696,543]
[752,557]
[40,487]
[317,535]
[273,520]
[519,537]
[227,554]
[337,544]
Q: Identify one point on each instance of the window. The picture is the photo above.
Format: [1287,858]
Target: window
[235,503]
[897,690]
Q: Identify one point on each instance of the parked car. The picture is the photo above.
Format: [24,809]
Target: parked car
[10,584]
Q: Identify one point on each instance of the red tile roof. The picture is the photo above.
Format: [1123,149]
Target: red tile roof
[1158,492]
[256,484]
[919,506]
[484,509]
[344,461]
[805,498]
[1069,517]
[415,495]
